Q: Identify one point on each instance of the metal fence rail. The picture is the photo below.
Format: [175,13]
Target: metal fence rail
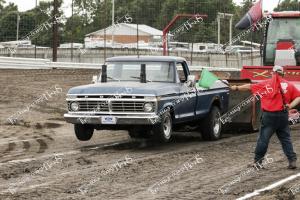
[29,63]
[96,56]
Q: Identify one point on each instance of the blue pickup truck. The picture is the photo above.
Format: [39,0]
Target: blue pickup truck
[150,96]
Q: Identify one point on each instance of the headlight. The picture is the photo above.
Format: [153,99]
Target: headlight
[74,106]
[71,96]
[148,107]
[150,98]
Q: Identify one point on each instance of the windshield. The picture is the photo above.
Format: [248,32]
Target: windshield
[130,71]
[281,29]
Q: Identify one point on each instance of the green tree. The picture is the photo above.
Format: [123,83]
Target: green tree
[288,5]
[2,2]
[29,21]
[8,22]
[246,5]
[37,17]
[73,25]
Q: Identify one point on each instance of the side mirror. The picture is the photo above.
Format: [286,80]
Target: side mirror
[191,80]
[95,79]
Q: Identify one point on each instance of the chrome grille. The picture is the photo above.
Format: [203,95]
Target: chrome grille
[92,106]
[127,106]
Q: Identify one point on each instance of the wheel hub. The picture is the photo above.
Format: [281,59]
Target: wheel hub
[217,125]
[167,127]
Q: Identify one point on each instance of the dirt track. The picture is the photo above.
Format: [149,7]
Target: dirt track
[42,159]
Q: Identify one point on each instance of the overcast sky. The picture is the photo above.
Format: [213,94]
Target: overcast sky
[29,4]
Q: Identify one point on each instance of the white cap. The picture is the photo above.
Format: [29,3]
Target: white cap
[278,69]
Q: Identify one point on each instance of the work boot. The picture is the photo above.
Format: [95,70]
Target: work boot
[292,164]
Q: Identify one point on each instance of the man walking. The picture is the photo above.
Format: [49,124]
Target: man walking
[275,105]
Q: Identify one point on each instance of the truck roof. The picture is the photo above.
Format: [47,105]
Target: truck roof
[291,14]
[146,59]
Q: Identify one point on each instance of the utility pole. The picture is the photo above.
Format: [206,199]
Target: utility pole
[36,2]
[113,23]
[137,29]
[72,36]
[55,30]
[219,31]
[18,25]
[105,30]
[137,39]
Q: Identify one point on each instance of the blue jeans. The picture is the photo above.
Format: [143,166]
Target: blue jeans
[274,122]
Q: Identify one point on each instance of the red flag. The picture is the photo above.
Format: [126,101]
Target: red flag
[256,12]
[252,16]
[268,88]
[275,84]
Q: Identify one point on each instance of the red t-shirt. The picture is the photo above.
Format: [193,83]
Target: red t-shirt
[271,98]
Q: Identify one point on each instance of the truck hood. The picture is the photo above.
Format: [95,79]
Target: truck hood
[123,88]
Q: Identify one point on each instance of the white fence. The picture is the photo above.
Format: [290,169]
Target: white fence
[29,63]
[98,55]
[23,63]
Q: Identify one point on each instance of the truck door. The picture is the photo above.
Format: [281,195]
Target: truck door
[185,108]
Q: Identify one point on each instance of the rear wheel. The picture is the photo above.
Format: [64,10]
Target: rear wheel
[163,130]
[83,132]
[211,126]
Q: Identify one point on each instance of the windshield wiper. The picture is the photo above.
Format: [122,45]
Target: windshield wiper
[137,77]
[113,78]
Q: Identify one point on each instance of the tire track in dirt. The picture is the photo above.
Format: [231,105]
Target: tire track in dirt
[140,159]
[121,145]
[11,147]
[212,179]
[48,137]
[20,146]
[26,146]
[43,146]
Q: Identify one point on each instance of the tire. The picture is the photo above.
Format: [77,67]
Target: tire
[83,132]
[162,131]
[211,126]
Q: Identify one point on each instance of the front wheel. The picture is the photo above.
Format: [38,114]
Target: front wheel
[211,126]
[163,130]
[83,132]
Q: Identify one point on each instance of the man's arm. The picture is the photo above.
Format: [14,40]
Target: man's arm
[294,103]
[295,95]
[245,87]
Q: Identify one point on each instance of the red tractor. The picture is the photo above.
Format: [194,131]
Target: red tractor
[281,46]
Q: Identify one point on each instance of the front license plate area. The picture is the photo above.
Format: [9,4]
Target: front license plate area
[108,120]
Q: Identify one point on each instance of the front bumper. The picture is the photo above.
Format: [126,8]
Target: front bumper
[120,120]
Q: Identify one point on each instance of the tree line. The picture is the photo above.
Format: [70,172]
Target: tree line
[92,15]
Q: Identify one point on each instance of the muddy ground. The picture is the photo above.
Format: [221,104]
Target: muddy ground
[42,159]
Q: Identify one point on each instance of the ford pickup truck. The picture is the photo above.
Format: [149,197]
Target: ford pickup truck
[150,96]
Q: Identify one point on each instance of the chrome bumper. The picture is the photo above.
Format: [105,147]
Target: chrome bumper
[120,120]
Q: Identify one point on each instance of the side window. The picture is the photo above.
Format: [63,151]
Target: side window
[181,72]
